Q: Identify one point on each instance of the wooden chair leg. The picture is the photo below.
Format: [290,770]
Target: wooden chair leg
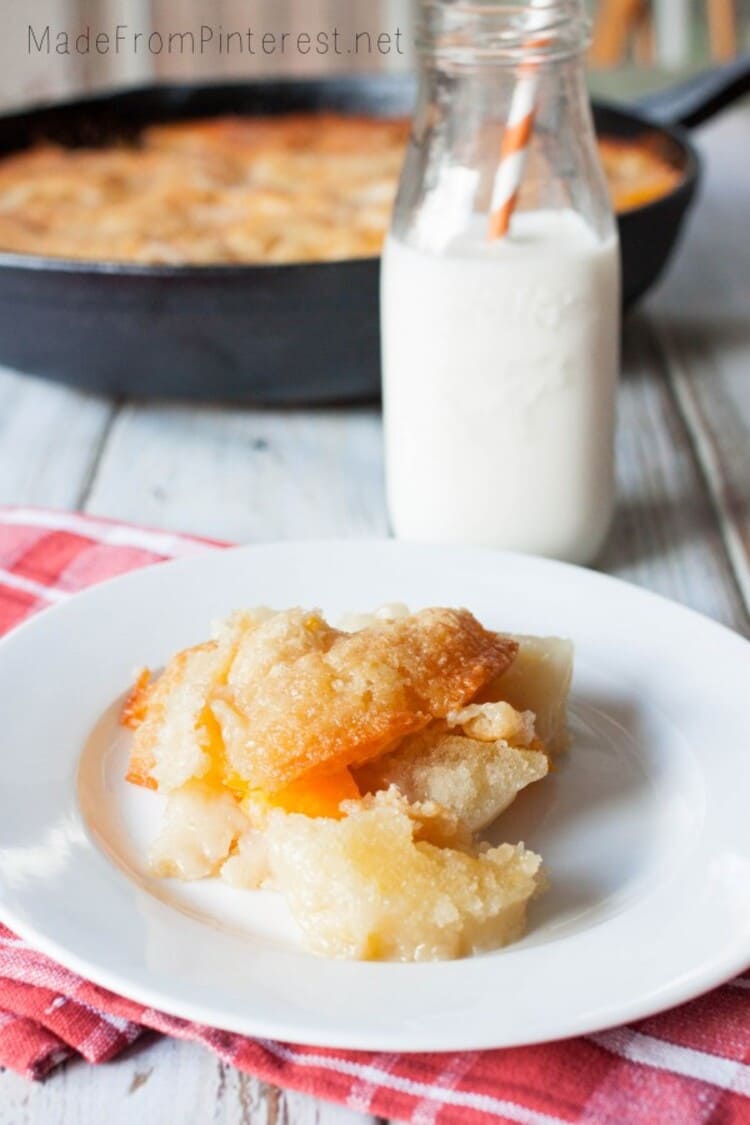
[613,26]
[722,28]
[643,38]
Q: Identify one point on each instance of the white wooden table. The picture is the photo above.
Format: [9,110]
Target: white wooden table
[683,529]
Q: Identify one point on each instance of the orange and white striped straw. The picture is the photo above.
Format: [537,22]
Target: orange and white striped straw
[515,145]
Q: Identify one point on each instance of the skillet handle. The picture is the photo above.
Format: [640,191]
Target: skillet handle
[700,97]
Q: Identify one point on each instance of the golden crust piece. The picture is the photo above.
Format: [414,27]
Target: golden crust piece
[177,738]
[171,742]
[280,697]
[473,780]
[140,764]
[538,681]
[136,704]
[133,715]
[301,695]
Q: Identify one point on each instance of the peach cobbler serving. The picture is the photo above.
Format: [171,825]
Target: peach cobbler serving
[352,770]
[298,187]
[295,187]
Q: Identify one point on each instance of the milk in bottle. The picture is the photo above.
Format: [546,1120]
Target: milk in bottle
[501,354]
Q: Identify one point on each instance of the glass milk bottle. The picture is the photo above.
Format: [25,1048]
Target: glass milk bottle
[500,290]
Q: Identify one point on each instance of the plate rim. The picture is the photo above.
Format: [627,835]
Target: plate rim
[212,549]
[357,1041]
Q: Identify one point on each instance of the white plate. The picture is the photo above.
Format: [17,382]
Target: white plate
[644,825]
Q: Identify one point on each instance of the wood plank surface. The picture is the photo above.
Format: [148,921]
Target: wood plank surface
[50,441]
[666,536]
[161,1082]
[244,475]
[701,316]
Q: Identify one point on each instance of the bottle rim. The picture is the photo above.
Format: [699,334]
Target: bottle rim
[523,31]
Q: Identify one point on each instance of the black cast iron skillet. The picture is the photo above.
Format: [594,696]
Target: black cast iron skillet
[304,333]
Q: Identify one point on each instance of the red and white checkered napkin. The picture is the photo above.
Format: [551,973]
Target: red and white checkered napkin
[687,1066]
